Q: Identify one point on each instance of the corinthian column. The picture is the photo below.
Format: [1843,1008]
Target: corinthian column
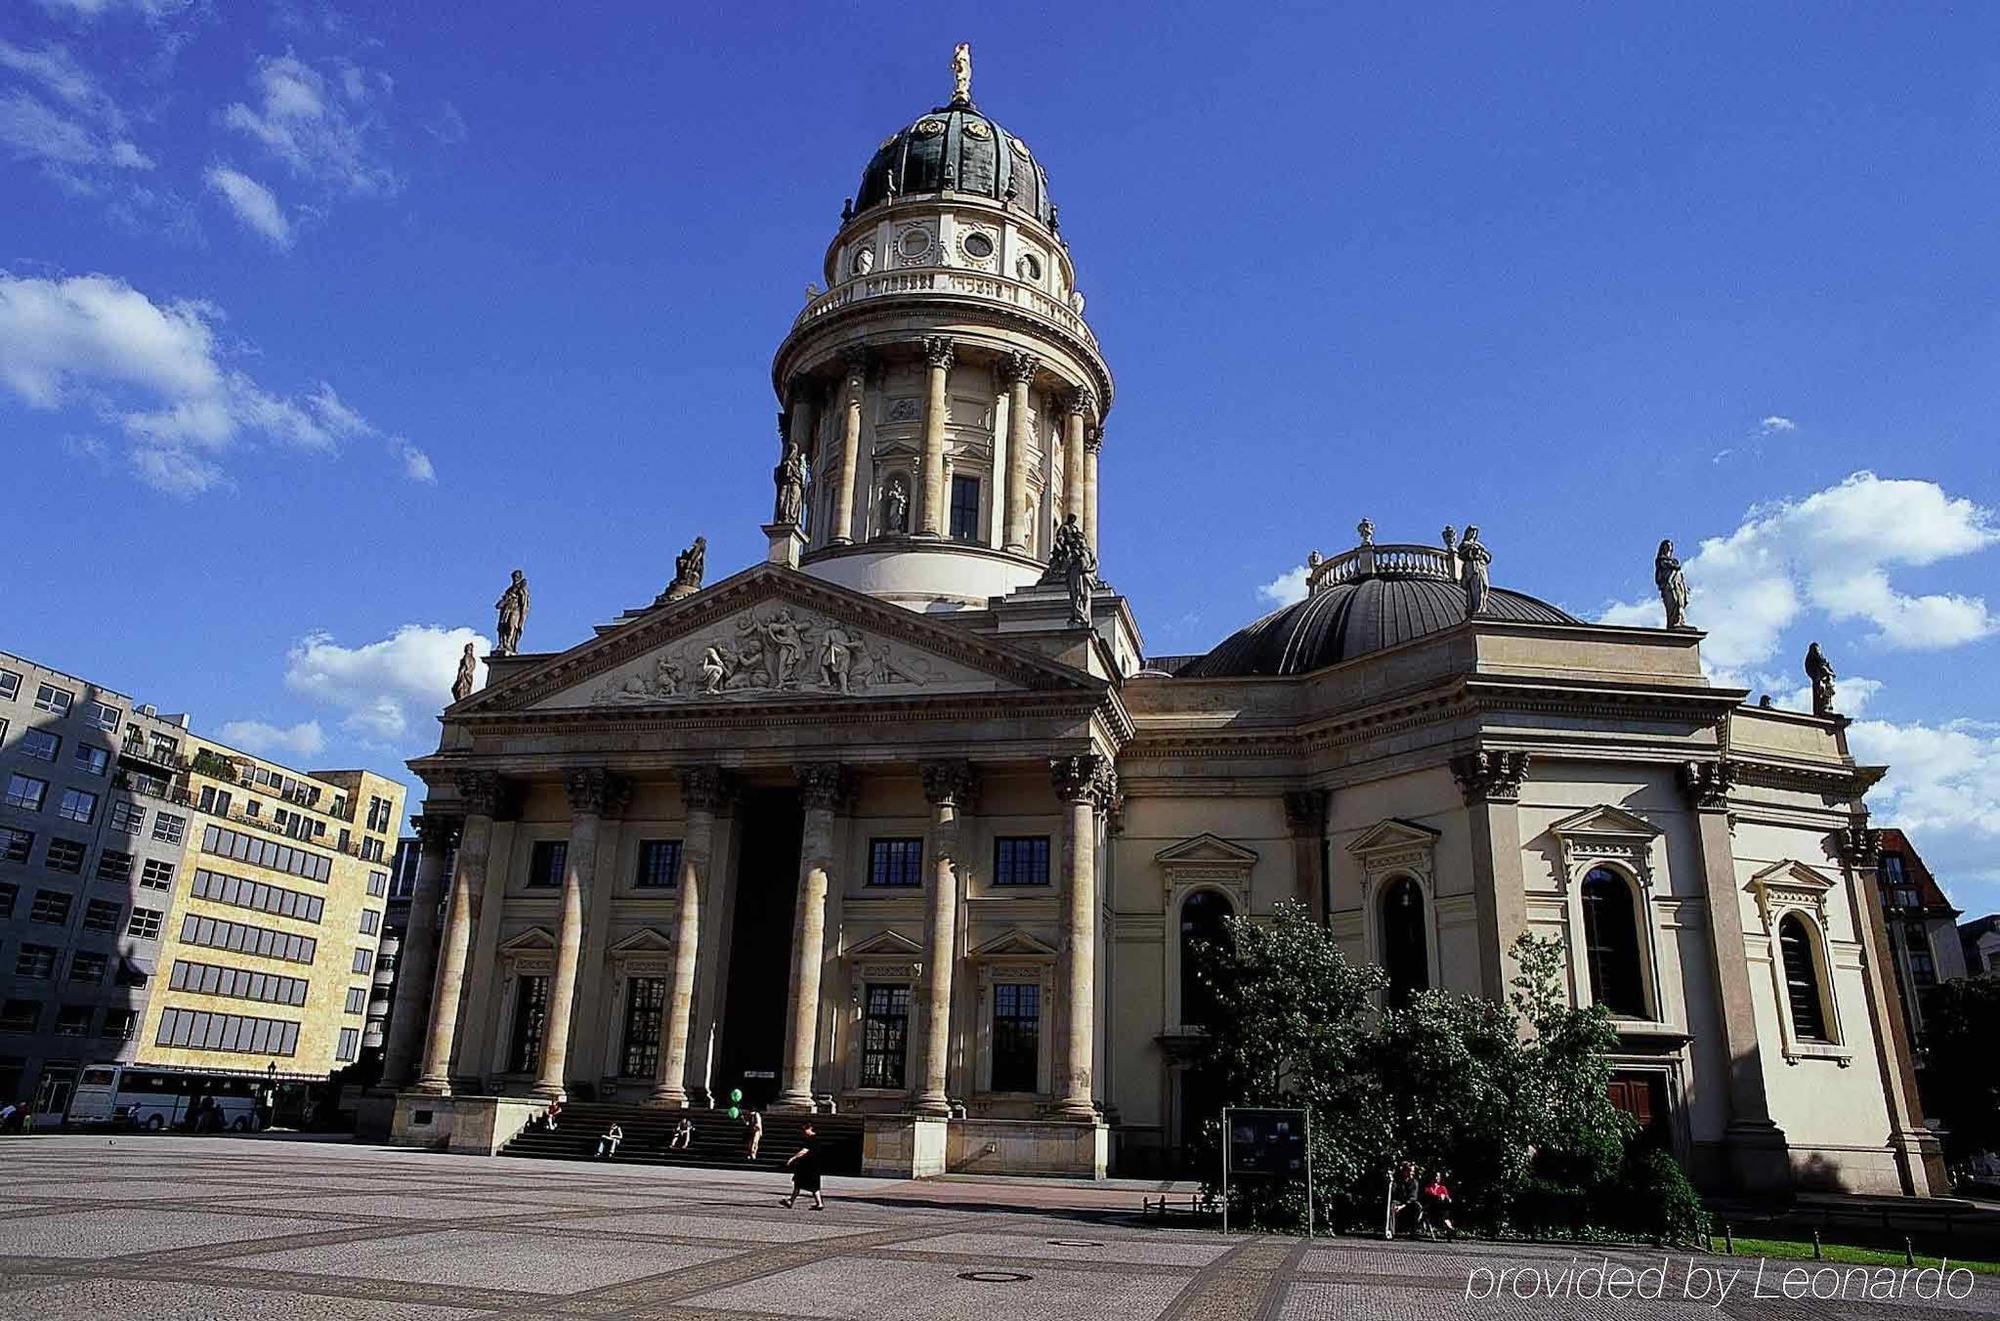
[948,787]
[1093,441]
[436,835]
[856,388]
[823,787]
[937,353]
[1081,783]
[480,791]
[1076,414]
[594,793]
[703,789]
[1017,370]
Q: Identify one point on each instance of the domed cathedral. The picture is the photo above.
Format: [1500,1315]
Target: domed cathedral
[902,829]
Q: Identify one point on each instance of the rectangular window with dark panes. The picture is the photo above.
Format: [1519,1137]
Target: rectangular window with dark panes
[645,1004]
[102,915]
[15,845]
[36,961]
[546,862]
[10,685]
[52,907]
[99,716]
[531,1016]
[91,759]
[114,866]
[169,829]
[119,1025]
[9,892]
[156,875]
[78,805]
[64,855]
[20,1015]
[896,862]
[1017,1036]
[1021,860]
[965,508]
[87,966]
[885,1034]
[54,700]
[659,864]
[26,792]
[73,1021]
[39,744]
[129,818]
[144,924]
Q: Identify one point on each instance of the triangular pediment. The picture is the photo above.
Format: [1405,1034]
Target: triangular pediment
[1390,836]
[1014,944]
[1205,850]
[773,634]
[1604,819]
[644,941]
[534,938]
[1793,878]
[891,943]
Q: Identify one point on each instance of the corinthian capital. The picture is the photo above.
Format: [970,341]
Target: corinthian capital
[1093,438]
[1858,846]
[937,350]
[437,832]
[1018,368]
[952,782]
[823,785]
[706,788]
[595,791]
[1490,777]
[1080,400]
[1075,778]
[1707,784]
[482,792]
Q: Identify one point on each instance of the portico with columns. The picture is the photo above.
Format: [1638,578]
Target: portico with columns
[903,822]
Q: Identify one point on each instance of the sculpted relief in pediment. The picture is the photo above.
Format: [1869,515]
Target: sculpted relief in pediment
[772,650]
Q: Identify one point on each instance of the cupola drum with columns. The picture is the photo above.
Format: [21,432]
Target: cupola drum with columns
[944,391]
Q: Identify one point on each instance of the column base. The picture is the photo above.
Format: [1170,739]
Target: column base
[1759,1158]
[665,1100]
[904,1146]
[431,1087]
[550,1091]
[1920,1159]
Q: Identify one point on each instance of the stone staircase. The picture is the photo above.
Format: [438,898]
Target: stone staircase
[718,1139]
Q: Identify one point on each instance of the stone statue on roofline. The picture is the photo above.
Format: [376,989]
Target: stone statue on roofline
[468,674]
[689,566]
[513,608]
[1673,585]
[1073,564]
[790,479]
[1473,559]
[1820,670]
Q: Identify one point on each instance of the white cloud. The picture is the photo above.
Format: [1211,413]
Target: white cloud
[58,116]
[447,125]
[254,204]
[91,9]
[1286,588]
[305,739]
[1830,554]
[1774,424]
[322,133]
[417,465]
[1943,787]
[388,688]
[157,371]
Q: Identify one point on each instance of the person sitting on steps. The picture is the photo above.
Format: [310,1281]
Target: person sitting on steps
[607,1146]
[683,1135]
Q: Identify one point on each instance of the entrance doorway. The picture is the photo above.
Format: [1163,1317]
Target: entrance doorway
[752,1051]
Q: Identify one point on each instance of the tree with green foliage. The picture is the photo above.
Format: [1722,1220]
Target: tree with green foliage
[1961,1075]
[1511,1100]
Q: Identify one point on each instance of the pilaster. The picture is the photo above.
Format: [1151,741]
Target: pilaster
[1490,781]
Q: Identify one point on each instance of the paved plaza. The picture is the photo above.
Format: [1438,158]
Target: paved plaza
[221,1228]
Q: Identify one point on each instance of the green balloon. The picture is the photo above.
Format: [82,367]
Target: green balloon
[735,1094]
[734,1112]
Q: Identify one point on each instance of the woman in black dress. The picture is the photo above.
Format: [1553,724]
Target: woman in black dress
[804,1165]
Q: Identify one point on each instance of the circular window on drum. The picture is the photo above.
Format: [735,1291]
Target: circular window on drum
[977,245]
[913,243]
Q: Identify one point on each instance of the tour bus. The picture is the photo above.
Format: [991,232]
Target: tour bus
[135,1096]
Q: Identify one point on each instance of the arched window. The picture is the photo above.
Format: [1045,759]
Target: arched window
[1202,916]
[1795,946]
[1405,948]
[1611,943]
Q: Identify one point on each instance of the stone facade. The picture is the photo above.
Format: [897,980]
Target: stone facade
[876,826]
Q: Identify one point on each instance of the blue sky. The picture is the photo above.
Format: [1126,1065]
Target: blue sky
[344,312]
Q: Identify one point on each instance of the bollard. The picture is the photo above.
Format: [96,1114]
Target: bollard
[1816,1251]
[1909,1253]
[1728,1241]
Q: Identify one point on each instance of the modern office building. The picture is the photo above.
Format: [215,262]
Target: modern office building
[166,899]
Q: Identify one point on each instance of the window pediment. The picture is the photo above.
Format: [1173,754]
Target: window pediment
[1206,859]
[1014,944]
[1606,834]
[535,939]
[1790,884]
[1394,845]
[646,940]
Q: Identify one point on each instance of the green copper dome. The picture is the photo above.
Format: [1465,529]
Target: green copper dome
[956,148]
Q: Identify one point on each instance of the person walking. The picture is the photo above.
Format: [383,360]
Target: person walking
[804,1165]
[753,1135]
[607,1146]
[683,1137]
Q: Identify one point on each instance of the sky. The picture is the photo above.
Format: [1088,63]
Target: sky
[315,321]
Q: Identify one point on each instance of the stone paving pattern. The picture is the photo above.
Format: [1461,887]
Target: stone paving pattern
[224,1228]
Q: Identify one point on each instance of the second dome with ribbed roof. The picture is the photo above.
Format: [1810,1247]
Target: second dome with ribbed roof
[955,148]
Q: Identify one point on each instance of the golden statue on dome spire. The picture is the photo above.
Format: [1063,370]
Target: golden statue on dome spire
[961,73]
